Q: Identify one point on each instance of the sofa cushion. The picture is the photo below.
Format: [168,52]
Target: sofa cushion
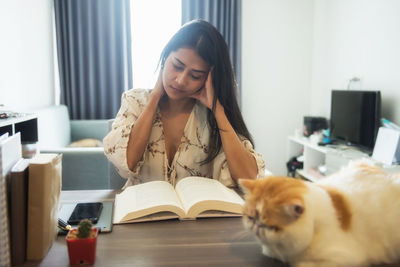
[87,142]
[82,129]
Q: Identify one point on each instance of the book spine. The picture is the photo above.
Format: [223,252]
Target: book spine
[18,213]
[4,234]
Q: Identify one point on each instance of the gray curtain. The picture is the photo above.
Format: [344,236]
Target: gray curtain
[225,15]
[94,55]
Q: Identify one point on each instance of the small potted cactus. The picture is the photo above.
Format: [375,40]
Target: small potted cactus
[81,243]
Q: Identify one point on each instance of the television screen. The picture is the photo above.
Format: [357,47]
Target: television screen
[355,117]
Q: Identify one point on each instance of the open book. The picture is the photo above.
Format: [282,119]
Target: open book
[193,197]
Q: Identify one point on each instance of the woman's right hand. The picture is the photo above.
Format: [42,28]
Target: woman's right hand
[141,130]
[158,90]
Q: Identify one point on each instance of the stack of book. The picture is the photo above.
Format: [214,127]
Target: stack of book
[29,194]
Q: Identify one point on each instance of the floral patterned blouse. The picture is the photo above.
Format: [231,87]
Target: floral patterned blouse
[154,163]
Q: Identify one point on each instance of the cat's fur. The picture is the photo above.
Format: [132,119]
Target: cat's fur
[351,218]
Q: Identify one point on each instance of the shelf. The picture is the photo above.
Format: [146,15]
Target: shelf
[332,158]
[21,117]
[306,142]
[313,156]
[24,123]
[311,175]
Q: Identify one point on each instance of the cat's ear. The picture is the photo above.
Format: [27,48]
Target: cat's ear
[247,185]
[293,210]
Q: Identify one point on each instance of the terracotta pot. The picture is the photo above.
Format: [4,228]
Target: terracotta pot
[81,250]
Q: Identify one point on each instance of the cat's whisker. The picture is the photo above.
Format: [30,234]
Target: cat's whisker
[240,235]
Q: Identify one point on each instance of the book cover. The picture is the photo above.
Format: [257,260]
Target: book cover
[18,193]
[10,153]
[193,197]
[44,188]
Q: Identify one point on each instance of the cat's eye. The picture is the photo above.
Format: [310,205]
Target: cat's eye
[256,221]
[273,228]
[250,217]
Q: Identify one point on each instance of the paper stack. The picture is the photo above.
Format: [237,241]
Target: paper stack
[387,146]
[10,153]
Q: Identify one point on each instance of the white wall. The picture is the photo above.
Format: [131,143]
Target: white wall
[276,73]
[26,53]
[357,38]
[294,52]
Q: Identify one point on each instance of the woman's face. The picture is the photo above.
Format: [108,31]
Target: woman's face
[184,73]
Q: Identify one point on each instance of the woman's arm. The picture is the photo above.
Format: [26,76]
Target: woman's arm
[241,162]
[140,132]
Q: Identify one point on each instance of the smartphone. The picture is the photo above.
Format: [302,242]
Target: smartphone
[90,210]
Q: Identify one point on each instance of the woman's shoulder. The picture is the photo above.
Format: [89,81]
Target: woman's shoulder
[137,95]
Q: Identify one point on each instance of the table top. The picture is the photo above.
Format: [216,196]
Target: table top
[203,242]
[208,241]
[211,242]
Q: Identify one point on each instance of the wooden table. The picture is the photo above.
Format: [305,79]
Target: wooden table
[204,242]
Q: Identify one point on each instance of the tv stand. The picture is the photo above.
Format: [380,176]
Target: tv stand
[336,143]
[328,158]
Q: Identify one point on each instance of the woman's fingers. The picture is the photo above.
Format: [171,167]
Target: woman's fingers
[209,90]
[159,87]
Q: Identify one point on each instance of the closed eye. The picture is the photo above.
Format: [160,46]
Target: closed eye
[194,77]
[249,217]
[177,67]
[263,225]
[180,68]
[256,221]
[273,228]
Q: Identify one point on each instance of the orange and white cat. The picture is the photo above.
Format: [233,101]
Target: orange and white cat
[351,218]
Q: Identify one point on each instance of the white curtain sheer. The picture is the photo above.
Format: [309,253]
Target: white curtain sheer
[153,23]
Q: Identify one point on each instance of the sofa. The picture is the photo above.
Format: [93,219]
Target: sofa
[83,168]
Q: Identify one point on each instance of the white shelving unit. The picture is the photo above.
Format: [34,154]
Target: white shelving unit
[332,158]
[313,156]
[24,123]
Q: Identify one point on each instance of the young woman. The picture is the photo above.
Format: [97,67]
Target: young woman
[190,123]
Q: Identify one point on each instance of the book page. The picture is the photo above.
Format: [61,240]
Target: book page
[193,190]
[144,199]
[158,216]
[217,213]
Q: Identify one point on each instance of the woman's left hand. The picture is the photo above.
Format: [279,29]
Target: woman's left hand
[206,94]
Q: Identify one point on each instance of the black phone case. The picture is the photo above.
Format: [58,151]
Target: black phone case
[91,211]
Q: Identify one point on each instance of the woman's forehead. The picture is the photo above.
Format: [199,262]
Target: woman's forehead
[190,58]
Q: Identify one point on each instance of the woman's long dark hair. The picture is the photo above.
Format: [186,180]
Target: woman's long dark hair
[205,39]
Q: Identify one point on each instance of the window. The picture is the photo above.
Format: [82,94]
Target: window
[153,24]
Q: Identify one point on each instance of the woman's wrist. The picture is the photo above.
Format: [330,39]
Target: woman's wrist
[219,109]
[220,117]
